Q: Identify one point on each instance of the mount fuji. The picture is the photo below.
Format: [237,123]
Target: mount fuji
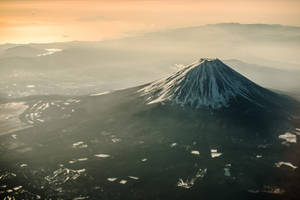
[209,83]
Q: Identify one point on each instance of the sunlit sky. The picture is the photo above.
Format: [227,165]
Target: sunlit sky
[25,21]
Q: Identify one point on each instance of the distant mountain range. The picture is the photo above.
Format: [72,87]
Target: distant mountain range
[259,50]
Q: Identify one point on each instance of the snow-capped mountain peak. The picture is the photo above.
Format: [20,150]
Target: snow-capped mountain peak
[206,83]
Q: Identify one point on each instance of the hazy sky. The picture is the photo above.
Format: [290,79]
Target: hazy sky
[24,21]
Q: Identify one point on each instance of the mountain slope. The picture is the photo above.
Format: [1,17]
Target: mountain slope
[113,146]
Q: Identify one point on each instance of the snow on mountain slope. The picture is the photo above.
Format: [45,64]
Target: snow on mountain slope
[207,83]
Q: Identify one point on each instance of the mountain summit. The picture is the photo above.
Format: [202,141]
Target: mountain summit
[208,83]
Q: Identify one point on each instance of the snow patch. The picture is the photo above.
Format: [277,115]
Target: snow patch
[102,155]
[288,137]
[134,177]
[123,181]
[99,94]
[214,153]
[195,152]
[49,52]
[279,164]
[111,179]
[188,183]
